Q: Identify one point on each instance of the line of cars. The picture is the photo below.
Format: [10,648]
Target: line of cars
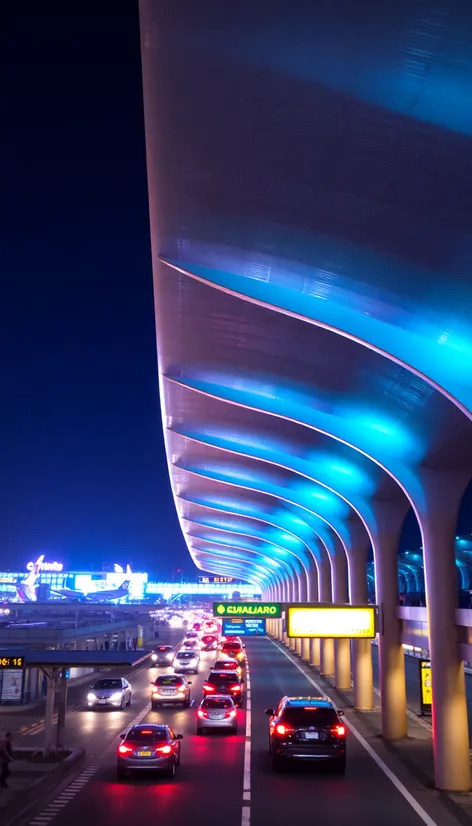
[156,747]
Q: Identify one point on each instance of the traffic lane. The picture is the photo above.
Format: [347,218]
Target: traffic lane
[29,722]
[209,780]
[412,682]
[88,728]
[309,794]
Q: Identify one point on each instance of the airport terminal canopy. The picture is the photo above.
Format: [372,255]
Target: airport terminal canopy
[309,170]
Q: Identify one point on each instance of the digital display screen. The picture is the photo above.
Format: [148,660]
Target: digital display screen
[244,627]
[12,662]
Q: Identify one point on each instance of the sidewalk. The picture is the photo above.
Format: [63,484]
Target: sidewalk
[411,760]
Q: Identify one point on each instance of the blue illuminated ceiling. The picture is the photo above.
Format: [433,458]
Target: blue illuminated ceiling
[312,251]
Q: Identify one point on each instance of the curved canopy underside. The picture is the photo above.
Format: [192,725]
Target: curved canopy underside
[312,250]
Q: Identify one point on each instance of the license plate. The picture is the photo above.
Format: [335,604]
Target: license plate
[102,702]
[217,716]
[167,691]
[144,753]
[312,735]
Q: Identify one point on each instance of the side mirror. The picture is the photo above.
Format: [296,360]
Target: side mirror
[189,682]
[244,646]
[242,681]
[179,736]
[269,712]
[340,713]
[122,736]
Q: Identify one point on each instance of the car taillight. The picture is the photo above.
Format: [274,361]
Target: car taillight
[235,688]
[164,749]
[202,713]
[208,687]
[282,730]
[338,731]
[231,713]
[124,749]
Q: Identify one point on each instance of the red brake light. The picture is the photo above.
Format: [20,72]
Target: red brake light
[339,731]
[235,688]
[231,713]
[124,749]
[281,729]
[202,713]
[164,749]
[146,731]
[208,687]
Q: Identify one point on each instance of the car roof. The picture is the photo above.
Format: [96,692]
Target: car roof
[220,671]
[149,726]
[302,702]
[166,677]
[218,697]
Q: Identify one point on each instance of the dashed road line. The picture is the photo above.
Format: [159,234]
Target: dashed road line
[246,810]
[422,813]
[69,793]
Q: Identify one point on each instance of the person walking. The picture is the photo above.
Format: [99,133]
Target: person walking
[6,757]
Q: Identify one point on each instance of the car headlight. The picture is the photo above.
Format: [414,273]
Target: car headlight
[91,697]
[154,657]
[116,697]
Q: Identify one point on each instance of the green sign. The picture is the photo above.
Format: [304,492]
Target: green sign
[247,609]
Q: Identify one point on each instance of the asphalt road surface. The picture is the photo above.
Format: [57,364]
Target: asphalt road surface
[223,780]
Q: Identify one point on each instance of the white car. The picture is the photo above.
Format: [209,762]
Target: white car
[109,692]
[186,661]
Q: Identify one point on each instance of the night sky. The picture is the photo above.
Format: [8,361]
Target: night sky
[83,475]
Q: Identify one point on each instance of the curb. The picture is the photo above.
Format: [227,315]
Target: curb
[41,787]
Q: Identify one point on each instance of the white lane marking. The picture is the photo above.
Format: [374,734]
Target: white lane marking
[246,810]
[54,808]
[422,814]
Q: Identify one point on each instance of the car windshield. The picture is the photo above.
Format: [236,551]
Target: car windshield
[309,716]
[185,655]
[231,646]
[222,678]
[141,735]
[108,684]
[215,703]
[170,680]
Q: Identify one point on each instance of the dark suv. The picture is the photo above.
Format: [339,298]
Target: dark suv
[307,729]
[225,682]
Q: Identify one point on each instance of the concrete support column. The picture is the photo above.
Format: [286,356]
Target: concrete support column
[449,702]
[305,652]
[391,654]
[303,594]
[342,648]
[294,596]
[362,675]
[315,653]
[326,646]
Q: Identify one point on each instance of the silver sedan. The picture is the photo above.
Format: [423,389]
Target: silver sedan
[217,712]
[109,692]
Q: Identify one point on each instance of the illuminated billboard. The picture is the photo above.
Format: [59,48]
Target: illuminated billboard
[244,627]
[331,622]
[247,609]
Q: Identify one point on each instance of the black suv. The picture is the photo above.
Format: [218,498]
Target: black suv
[307,728]
[225,682]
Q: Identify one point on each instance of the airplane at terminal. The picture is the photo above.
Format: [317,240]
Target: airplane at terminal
[114,594]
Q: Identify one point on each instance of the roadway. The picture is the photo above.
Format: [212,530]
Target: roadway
[216,769]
